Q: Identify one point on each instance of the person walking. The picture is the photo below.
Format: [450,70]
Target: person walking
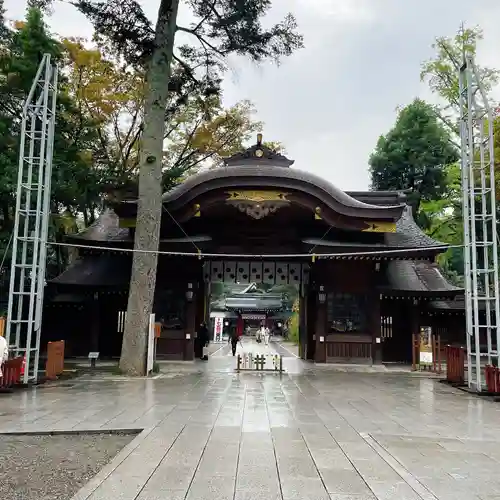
[234,338]
[266,335]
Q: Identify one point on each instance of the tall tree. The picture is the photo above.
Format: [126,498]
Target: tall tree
[412,156]
[441,72]
[199,130]
[222,28]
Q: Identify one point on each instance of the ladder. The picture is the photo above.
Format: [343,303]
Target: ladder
[31,224]
[482,306]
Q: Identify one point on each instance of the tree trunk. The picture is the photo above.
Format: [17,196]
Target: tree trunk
[149,210]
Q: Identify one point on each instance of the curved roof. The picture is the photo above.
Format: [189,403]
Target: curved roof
[270,176]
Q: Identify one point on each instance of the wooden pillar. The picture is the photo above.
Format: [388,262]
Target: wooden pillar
[190,324]
[375,328]
[95,322]
[310,305]
[320,330]
[302,323]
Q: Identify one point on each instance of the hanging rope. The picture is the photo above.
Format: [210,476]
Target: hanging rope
[199,254]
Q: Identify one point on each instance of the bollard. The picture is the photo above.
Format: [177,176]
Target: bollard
[281,364]
[238,363]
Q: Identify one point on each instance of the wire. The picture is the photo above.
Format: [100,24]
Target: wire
[182,229]
[321,239]
[258,256]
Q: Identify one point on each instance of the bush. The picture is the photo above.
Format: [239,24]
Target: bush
[294,328]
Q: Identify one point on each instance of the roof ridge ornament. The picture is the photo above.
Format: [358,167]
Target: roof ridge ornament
[258,154]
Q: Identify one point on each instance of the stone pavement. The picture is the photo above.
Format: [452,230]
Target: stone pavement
[311,434]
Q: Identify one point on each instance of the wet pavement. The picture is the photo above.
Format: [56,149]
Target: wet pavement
[311,434]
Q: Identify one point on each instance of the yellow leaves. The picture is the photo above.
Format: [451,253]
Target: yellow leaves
[19,25]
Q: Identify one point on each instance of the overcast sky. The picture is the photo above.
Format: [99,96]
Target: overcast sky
[329,102]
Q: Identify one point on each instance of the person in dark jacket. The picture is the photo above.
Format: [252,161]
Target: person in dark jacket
[203,339]
[234,337]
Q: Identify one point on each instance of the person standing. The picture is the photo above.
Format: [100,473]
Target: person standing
[4,353]
[203,339]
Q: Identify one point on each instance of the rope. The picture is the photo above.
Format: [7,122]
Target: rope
[258,256]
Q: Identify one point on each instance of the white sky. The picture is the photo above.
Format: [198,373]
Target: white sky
[329,102]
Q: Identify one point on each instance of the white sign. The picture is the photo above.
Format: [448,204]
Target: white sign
[218,328]
[151,344]
[425,358]
[93,355]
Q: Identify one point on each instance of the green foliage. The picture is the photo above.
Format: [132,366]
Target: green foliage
[441,72]
[293,328]
[413,155]
[221,28]
[444,223]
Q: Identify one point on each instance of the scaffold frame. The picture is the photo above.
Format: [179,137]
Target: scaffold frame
[482,307]
[31,223]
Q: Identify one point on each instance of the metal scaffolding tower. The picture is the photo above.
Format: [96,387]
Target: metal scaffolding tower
[29,249]
[479,218]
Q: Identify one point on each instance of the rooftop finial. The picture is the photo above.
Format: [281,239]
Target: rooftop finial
[259,139]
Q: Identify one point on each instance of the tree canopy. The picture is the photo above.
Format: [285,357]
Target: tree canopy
[413,155]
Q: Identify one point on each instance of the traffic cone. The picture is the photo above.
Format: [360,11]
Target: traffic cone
[23,366]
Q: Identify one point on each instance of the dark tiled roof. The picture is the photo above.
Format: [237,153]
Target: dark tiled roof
[379,197]
[254,302]
[457,304]
[259,176]
[105,229]
[409,235]
[97,271]
[418,277]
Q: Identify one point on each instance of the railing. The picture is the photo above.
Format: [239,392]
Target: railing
[492,379]
[250,362]
[11,372]
[455,364]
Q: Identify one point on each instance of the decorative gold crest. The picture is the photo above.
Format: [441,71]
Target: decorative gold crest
[257,196]
[380,227]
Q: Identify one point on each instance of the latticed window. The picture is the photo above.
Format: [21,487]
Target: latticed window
[347,312]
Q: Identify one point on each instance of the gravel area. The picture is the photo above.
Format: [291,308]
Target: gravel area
[53,467]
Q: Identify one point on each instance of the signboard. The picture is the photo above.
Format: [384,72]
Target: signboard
[425,347]
[254,316]
[218,329]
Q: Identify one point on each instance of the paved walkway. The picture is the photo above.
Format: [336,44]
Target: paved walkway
[312,434]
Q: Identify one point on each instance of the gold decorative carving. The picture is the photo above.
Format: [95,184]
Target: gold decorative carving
[257,196]
[380,227]
[197,212]
[317,213]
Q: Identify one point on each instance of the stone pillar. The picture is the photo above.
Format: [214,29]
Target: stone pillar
[320,330]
